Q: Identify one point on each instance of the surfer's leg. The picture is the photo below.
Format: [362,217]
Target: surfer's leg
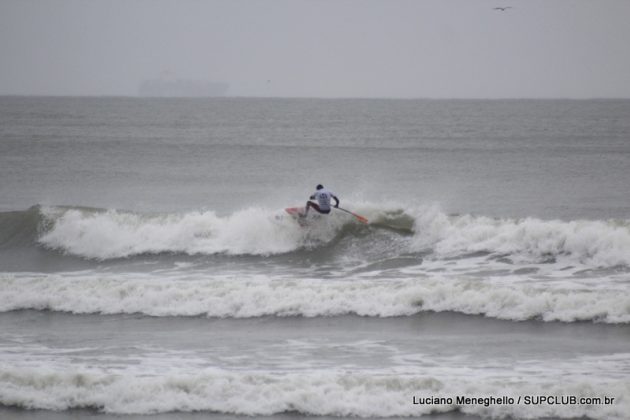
[310,204]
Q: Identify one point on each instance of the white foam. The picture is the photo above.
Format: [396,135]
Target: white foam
[257,231]
[596,243]
[146,387]
[114,234]
[246,295]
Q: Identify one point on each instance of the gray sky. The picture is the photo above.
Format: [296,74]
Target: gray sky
[321,48]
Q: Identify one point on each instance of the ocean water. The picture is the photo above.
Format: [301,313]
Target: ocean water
[148,269]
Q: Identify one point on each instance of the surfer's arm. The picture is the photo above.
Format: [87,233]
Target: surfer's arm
[336,200]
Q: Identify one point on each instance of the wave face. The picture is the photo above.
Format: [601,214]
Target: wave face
[109,234]
[594,243]
[113,234]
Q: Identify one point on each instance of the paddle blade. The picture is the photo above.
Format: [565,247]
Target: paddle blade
[357,216]
[360,218]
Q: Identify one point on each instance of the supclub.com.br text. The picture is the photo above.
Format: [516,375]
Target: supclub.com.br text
[506,400]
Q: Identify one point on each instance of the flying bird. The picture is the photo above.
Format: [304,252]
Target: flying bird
[503,9]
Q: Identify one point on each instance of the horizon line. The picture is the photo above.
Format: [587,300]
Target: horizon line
[410,98]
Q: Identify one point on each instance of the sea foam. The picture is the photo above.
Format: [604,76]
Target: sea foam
[111,234]
[324,392]
[247,296]
[596,243]
[114,234]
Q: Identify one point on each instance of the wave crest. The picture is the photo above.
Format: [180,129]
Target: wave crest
[594,243]
[255,296]
[115,234]
[108,234]
[364,394]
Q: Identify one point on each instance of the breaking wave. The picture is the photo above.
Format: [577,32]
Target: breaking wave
[310,392]
[240,296]
[110,234]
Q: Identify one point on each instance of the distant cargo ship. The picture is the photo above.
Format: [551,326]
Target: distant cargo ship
[182,88]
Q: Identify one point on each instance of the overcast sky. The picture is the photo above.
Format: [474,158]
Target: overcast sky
[320,48]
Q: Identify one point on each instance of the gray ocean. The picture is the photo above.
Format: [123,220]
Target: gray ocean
[148,269]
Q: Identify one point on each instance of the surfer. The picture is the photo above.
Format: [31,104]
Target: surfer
[323,196]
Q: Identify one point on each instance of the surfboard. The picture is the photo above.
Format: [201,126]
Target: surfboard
[295,211]
[298,214]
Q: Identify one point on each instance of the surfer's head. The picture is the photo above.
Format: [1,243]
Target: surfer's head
[319,187]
